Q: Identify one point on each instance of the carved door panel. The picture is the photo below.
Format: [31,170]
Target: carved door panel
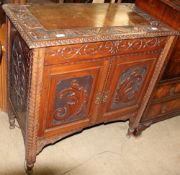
[69,96]
[126,86]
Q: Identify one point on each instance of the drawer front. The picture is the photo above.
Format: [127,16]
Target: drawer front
[68,97]
[167,90]
[161,109]
[80,52]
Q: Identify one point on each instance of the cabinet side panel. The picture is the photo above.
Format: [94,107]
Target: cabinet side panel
[19,73]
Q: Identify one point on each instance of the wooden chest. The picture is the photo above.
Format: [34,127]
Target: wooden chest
[166,100]
[72,66]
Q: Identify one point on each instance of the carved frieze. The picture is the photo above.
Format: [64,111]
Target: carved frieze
[108,48]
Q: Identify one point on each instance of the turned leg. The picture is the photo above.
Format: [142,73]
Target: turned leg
[29,169]
[11,120]
[30,159]
[134,132]
[138,131]
[130,131]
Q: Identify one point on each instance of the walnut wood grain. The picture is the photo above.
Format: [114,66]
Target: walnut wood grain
[168,11]
[20,1]
[159,110]
[3,97]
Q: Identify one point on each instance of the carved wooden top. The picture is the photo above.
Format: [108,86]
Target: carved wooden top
[52,25]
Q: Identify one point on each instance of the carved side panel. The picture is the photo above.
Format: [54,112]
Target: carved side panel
[71,99]
[19,72]
[128,87]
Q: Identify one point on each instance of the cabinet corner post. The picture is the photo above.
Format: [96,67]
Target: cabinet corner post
[35,87]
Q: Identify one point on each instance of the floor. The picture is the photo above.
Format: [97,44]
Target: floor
[102,150]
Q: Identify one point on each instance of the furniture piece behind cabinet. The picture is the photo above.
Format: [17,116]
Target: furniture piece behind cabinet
[64,77]
[3,101]
[166,101]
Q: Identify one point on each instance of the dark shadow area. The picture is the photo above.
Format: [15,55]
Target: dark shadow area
[44,171]
[41,171]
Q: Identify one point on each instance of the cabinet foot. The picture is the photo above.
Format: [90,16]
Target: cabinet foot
[11,121]
[130,131]
[138,131]
[29,169]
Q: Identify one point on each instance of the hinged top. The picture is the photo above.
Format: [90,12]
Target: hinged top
[52,24]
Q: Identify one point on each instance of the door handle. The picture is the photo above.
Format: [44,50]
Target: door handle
[101,97]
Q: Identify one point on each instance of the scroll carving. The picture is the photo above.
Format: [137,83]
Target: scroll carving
[71,99]
[108,47]
[75,97]
[129,85]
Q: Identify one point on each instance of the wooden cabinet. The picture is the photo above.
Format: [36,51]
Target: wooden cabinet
[64,77]
[85,91]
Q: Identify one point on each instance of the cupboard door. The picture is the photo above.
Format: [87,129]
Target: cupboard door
[68,101]
[126,86]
